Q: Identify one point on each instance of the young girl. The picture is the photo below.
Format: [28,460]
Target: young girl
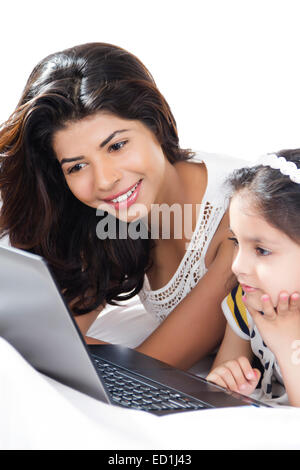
[91,129]
[263,313]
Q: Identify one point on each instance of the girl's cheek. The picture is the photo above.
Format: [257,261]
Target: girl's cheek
[254,301]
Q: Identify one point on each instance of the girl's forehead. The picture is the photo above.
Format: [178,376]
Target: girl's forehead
[243,201]
[248,223]
[246,219]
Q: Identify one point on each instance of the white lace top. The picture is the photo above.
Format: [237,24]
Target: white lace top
[192,267]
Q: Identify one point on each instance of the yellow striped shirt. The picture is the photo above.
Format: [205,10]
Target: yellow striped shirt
[236,312]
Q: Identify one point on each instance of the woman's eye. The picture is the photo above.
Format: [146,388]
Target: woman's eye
[75,168]
[234,240]
[117,146]
[262,252]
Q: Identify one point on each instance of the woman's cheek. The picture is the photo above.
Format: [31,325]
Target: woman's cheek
[82,190]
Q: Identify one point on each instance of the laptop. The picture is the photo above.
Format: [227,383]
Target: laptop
[35,319]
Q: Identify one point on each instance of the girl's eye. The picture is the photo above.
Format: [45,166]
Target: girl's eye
[234,240]
[117,146]
[75,168]
[262,252]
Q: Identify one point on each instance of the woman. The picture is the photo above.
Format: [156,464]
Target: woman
[92,131]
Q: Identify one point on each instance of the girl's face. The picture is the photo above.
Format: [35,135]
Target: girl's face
[266,260]
[112,164]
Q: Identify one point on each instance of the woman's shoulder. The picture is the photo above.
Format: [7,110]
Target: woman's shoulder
[220,162]
[219,167]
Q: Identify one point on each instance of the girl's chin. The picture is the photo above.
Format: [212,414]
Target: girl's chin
[254,300]
[256,303]
[255,306]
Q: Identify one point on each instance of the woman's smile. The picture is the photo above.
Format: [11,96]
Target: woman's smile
[125,198]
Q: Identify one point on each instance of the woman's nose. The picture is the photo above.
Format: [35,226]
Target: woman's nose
[106,174]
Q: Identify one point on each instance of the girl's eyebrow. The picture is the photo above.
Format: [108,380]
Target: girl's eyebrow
[102,144]
[256,239]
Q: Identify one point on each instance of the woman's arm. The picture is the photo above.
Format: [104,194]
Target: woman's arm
[196,326]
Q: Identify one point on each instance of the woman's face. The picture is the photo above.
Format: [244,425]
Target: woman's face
[112,164]
[266,260]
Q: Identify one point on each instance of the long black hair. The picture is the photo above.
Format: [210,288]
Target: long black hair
[39,212]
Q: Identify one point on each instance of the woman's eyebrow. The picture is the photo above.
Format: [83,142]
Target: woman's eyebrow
[105,142]
[111,136]
[68,160]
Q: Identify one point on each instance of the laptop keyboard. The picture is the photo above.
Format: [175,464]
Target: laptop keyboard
[127,391]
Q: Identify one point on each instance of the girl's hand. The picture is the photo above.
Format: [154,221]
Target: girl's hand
[280,326]
[236,375]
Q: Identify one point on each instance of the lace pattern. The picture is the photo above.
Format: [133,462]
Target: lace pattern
[192,268]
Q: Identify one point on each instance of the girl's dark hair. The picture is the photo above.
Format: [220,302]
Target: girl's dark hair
[275,196]
[39,212]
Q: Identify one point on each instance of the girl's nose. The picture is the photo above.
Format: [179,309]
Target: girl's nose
[240,264]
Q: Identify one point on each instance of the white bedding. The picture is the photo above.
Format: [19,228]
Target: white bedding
[39,413]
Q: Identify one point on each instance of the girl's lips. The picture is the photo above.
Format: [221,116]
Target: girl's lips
[248,289]
[119,205]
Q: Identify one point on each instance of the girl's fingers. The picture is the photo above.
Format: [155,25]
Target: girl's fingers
[294,302]
[236,375]
[216,379]
[226,376]
[246,369]
[239,373]
[267,306]
[248,387]
[252,375]
[286,303]
[283,303]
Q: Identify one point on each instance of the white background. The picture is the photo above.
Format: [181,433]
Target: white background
[230,69]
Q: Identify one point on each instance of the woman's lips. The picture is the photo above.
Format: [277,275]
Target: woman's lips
[248,289]
[122,200]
